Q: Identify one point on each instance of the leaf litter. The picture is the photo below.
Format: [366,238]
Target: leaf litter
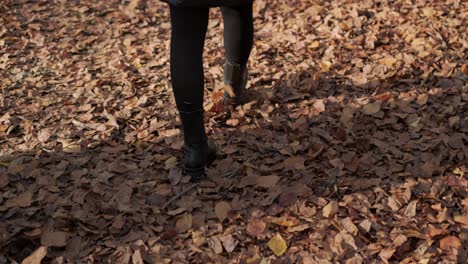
[353,148]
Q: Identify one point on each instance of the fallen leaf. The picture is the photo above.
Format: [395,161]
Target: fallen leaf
[4,180]
[371,109]
[221,209]
[450,242]
[136,257]
[464,69]
[422,99]
[229,243]
[386,253]
[428,11]
[36,257]
[294,163]
[54,239]
[22,200]
[277,245]
[298,228]
[267,181]
[330,209]
[388,61]
[349,226]
[325,66]
[462,219]
[184,223]
[410,210]
[43,135]
[256,227]
[215,244]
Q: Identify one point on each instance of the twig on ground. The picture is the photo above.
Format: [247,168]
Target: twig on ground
[179,195]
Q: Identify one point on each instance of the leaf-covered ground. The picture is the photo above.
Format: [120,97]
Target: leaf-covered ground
[353,149]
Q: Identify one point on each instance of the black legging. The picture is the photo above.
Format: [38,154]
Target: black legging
[189,26]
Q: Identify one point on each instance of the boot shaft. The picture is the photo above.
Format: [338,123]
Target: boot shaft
[193,124]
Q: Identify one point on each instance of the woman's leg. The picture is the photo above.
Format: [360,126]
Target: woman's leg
[238,42]
[189,26]
[238,33]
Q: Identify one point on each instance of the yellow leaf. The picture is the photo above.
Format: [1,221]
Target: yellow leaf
[278,245]
[314,45]
[325,66]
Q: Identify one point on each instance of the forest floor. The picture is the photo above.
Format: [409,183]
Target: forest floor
[352,149]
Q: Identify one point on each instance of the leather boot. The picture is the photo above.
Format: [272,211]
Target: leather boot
[199,151]
[235,81]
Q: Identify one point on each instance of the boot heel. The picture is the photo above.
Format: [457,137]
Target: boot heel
[195,173]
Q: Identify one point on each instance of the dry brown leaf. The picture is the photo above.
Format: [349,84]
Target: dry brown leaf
[229,243]
[54,239]
[386,254]
[422,99]
[349,226]
[267,181]
[298,228]
[184,223]
[136,257]
[410,210]
[36,257]
[450,242]
[215,244]
[371,109]
[464,68]
[294,163]
[462,219]
[256,227]
[22,200]
[4,179]
[221,209]
[330,209]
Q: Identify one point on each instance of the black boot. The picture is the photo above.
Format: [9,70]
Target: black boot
[199,150]
[235,80]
